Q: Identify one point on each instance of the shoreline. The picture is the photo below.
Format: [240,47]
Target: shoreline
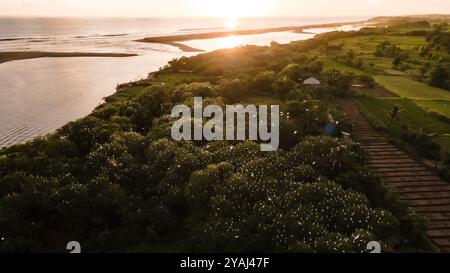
[174,40]
[183,47]
[25,55]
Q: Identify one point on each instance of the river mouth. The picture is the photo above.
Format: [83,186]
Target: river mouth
[39,96]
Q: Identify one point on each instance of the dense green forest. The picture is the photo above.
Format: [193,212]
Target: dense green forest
[116,181]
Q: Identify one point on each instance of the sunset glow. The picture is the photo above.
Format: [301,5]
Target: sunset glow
[219,8]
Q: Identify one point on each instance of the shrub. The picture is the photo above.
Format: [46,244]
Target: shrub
[263,82]
[283,86]
[234,90]
[199,89]
[387,50]
[424,145]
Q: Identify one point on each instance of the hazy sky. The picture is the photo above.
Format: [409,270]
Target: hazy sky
[222,8]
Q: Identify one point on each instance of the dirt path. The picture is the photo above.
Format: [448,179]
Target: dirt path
[424,192]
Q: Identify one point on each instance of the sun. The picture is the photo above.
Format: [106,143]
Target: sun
[231,22]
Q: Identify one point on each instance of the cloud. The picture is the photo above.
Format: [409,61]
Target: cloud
[192,8]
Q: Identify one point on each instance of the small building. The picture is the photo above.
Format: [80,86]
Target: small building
[312,82]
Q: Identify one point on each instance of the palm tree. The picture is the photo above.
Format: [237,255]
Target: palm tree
[395,112]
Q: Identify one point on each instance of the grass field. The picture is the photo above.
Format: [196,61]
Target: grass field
[376,110]
[412,114]
[124,96]
[441,107]
[412,89]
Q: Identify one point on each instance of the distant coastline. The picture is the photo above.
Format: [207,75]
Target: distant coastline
[23,55]
[174,40]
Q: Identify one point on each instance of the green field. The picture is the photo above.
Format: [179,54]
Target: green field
[413,115]
[365,47]
[441,107]
[329,64]
[376,110]
[400,82]
[444,142]
[368,44]
[412,89]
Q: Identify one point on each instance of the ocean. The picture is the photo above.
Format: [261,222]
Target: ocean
[38,96]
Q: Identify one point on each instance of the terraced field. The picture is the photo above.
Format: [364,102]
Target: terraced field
[400,81]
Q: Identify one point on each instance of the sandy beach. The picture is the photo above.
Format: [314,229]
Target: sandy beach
[22,55]
[174,40]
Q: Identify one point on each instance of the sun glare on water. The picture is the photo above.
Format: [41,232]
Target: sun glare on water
[230,41]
